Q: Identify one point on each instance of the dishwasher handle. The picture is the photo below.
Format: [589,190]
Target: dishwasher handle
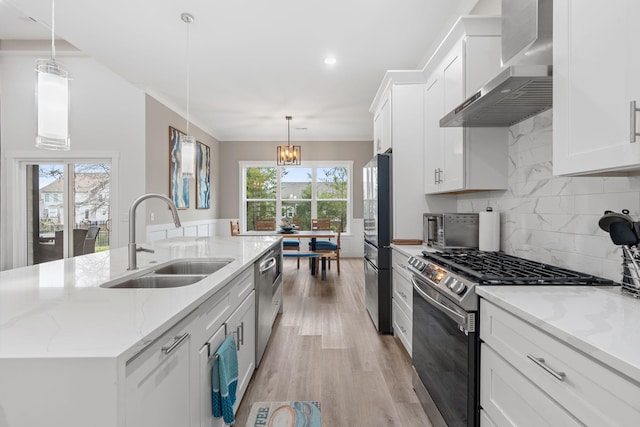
[268,264]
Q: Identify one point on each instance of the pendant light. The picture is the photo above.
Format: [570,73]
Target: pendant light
[52,99]
[291,154]
[188,142]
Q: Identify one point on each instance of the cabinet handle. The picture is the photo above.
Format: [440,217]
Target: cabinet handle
[237,332]
[402,294]
[242,333]
[560,376]
[634,110]
[435,176]
[176,342]
[404,331]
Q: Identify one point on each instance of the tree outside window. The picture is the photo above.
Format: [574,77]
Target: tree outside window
[298,194]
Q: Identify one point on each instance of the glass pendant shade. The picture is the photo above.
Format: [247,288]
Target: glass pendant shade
[52,106]
[188,150]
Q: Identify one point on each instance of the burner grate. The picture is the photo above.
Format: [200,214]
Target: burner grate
[498,268]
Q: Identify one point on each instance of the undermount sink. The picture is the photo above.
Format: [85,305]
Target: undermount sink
[181,272]
[157,282]
[194,266]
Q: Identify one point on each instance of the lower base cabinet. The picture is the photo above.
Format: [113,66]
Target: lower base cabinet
[529,377]
[169,383]
[159,391]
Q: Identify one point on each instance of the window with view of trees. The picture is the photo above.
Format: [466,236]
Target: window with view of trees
[298,193]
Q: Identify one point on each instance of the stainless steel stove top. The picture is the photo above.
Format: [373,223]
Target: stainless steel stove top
[456,273]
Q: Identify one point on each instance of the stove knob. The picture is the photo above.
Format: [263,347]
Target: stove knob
[457,287]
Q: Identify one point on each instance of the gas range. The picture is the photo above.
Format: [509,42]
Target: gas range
[455,273]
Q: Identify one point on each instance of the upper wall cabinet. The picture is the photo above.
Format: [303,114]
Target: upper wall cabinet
[382,126]
[463,159]
[596,81]
[399,120]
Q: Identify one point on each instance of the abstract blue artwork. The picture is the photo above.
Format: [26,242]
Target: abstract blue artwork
[203,177]
[178,185]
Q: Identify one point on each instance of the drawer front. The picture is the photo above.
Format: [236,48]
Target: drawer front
[399,263]
[243,285]
[591,392]
[402,326]
[403,292]
[510,399]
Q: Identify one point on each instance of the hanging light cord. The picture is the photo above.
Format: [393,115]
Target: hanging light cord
[188,21]
[53,31]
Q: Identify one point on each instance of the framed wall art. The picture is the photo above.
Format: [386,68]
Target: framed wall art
[178,185]
[203,177]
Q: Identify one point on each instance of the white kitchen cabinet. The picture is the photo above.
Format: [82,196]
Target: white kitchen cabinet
[402,307]
[169,383]
[159,386]
[463,159]
[382,127]
[529,377]
[243,324]
[400,99]
[205,362]
[595,80]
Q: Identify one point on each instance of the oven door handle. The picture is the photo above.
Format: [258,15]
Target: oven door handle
[460,319]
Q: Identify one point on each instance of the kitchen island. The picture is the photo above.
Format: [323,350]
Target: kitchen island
[69,346]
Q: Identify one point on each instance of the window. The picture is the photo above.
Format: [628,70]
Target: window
[315,190]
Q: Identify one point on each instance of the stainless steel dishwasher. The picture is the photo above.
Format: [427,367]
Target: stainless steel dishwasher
[268,276]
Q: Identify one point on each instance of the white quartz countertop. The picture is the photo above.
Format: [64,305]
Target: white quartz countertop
[601,322]
[58,309]
[411,250]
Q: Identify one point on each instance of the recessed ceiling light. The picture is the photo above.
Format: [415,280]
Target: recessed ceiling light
[330,60]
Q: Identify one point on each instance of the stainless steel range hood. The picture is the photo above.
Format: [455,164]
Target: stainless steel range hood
[524,88]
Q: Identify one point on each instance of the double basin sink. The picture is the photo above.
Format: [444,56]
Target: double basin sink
[177,273]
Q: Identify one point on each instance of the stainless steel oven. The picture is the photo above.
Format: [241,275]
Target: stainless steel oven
[444,353]
[446,348]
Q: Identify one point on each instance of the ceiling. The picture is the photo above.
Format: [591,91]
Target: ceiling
[252,62]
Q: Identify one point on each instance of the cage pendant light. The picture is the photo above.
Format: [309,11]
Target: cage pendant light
[188,142]
[291,154]
[52,100]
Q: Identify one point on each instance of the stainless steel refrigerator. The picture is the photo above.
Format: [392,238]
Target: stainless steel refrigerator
[377,239]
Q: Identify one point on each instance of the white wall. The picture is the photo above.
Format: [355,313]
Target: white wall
[107,115]
[555,219]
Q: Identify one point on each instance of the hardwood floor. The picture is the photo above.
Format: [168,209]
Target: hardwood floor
[324,347]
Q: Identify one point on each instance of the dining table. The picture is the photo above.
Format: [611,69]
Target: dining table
[297,234]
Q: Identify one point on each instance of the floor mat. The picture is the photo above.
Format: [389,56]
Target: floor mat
[285,414]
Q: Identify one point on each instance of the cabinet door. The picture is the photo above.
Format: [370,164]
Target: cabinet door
[382,126]
[595,79]
[452,177]
[158,384]
[206,414]
[434,108]
[509,399]
[243,323]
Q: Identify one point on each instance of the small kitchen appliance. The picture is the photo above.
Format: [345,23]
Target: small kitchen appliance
[446,345]
[451,230]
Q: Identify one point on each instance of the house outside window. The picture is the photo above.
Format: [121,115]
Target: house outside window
[313,190]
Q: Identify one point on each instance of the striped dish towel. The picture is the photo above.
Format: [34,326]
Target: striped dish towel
[224,380]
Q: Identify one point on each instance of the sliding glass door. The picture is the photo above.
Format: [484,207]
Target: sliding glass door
[68,209]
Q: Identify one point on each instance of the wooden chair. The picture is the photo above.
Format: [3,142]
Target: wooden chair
[268,224]
[292,244]
[329,250]
[235,228]
[328,247]
[320,224]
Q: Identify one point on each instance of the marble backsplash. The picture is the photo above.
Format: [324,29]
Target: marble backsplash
[554,219]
